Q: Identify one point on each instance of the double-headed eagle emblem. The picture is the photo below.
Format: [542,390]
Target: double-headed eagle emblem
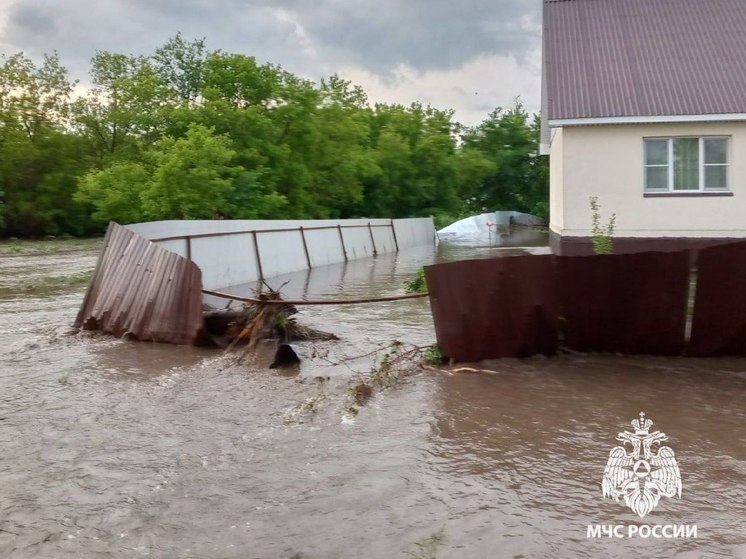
[641,476]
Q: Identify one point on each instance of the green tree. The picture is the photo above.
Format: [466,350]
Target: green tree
[180,65]
[519,181]
[192,176]
[181,178]
[123,112]
[115,192]
[421,168]
[190,133]
[39,158]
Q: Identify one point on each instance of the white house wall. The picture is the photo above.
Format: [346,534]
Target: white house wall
[556,165]
[607,161]
[227,256]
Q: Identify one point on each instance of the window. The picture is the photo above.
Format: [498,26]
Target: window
[686,164]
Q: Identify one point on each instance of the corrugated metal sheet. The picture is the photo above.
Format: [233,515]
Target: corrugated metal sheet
[500,307]
[719,323]
[624,303]
[143,289]
[607,58]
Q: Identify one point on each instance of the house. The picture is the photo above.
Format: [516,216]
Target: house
[644,107]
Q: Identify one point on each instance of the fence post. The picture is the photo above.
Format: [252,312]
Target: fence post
[305,246]
[342,240]
[258,257]
[393,232]
[372,240]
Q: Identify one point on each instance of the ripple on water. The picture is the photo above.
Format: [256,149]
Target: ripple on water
[113,448]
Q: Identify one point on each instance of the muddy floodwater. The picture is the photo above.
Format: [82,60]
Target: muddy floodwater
[113,448]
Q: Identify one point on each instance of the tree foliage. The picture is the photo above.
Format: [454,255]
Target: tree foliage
[188,133]
[519,179]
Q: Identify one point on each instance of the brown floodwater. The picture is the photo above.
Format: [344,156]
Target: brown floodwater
[112,448]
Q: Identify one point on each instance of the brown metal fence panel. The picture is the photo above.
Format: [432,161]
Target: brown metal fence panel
[500,307]
[141,289]
[719,323]
[625,303]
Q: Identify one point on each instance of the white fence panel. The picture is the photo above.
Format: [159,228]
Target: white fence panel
[384,238]
[226,252]
[225,259]
[324,247]
[281,252]
[414,232]
[358,243]
[177,246]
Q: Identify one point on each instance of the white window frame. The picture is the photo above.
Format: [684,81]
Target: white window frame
[702,165]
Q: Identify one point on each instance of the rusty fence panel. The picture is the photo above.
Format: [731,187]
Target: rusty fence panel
[624,303]
[500,307]
[719,322]
[144,290]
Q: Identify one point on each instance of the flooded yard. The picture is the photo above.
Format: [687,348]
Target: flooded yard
[112,448]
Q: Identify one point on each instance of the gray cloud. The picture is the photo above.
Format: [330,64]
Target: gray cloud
[426,34]
[375,34]
[311,38]
[31,21]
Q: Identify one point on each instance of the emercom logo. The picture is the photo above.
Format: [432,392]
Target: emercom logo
[644,474]
[640,472]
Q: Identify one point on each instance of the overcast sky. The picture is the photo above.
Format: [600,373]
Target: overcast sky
[471,56]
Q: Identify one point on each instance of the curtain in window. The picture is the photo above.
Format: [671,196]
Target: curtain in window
[686,163]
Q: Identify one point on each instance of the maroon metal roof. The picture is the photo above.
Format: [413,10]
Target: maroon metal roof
[143,289]
[611,58]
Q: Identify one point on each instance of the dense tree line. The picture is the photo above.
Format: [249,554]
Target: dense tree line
[191,133]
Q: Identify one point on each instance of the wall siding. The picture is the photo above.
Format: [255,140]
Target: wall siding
[607,161]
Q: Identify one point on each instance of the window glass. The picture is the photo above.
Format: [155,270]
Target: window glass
[716,176]
[656,152]
[686,163]
[656,178]
[716,150]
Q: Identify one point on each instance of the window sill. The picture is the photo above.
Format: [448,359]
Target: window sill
[685,194]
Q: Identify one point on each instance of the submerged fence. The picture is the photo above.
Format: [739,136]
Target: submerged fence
[236,252]
[629,304]
[150,277]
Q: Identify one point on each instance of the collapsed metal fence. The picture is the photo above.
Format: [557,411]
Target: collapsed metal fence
[143,290]
[628,304]
[151,288]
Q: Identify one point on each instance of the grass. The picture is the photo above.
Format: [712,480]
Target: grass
[418,284]
[26,247]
